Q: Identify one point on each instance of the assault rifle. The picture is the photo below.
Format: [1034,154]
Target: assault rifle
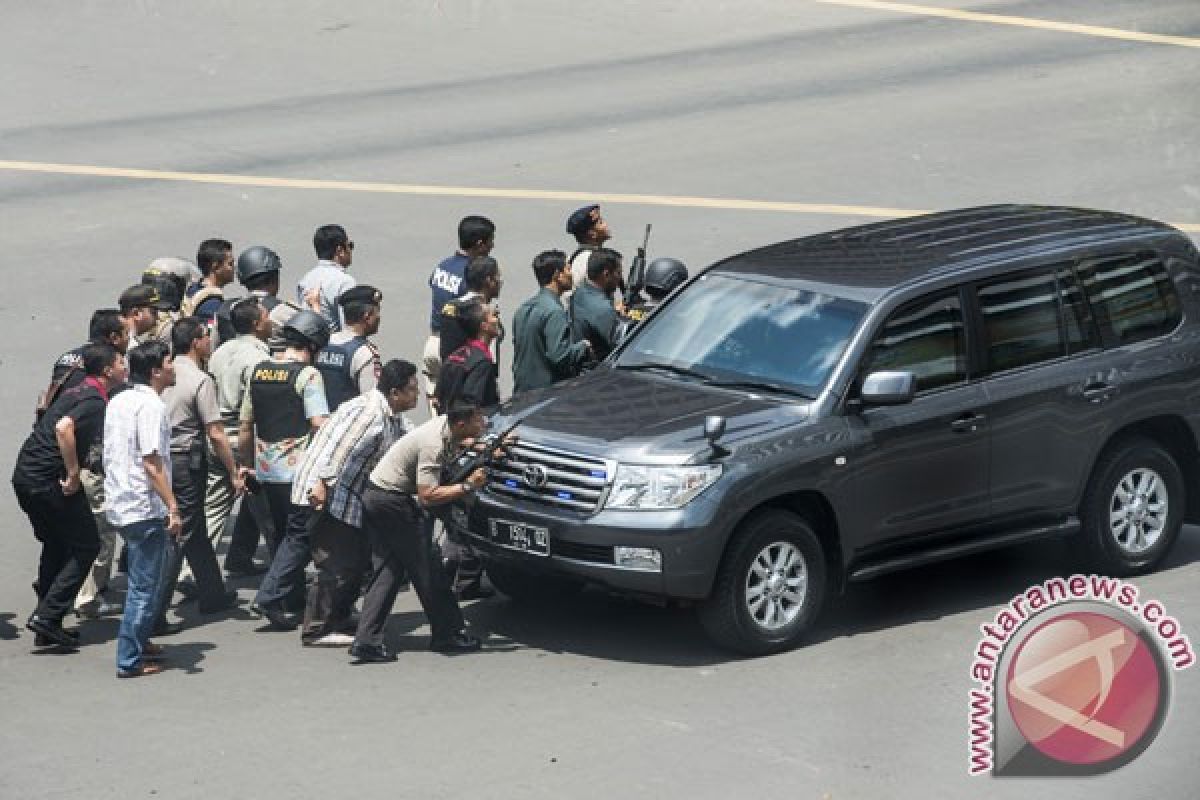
[480,454]
[632,290]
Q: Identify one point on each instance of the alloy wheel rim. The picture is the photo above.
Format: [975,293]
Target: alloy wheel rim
[1137,511]
[776,585]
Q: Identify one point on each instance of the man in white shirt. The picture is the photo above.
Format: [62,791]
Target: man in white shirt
[329,277]
[140,503]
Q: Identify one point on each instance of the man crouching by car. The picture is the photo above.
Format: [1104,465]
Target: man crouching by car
[407,479]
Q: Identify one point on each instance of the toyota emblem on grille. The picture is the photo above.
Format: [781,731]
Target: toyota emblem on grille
[535,476]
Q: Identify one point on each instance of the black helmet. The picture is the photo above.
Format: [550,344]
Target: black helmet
[663,275]
[257,260]
[170,296]
[307,328]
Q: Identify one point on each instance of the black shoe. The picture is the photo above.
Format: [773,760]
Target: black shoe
[475,591]
[51,632]
[41,641]
[166,629]
[188,589]
[277,617]
[244,569]
[371,654]
[225,602]
[461,642]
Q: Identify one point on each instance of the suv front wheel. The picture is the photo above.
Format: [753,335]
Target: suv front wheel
[770,586]
[1133,508]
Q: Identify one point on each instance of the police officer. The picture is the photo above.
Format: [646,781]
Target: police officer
[195,423]
[136,307]
[169,297]
[476,237]
[663,275]
[258,270]
[590,230]
[593,316]
[350,363]
[284,405]
[203,298]
[405,482]
[231,366]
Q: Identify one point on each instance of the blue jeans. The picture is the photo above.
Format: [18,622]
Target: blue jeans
[149,547]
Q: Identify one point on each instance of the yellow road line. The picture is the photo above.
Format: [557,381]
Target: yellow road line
[678,201]
[1021,22]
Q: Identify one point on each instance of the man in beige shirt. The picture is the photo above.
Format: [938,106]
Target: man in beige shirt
[405,481]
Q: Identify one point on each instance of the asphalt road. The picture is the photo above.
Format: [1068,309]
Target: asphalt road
[788,101]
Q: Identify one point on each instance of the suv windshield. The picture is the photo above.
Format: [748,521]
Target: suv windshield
[740,331]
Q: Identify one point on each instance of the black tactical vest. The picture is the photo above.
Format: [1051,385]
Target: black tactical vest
[225,331]
[335,362]
[278,407]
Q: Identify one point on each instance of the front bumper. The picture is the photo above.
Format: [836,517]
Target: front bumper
[581,545]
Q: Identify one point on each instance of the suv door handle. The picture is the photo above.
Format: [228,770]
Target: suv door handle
[1097,391]
[968,423]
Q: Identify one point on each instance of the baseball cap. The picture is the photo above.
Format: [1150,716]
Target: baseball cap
[140,296]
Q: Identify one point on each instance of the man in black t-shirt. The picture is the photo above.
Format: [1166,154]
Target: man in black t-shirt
[106,327]
[48,486]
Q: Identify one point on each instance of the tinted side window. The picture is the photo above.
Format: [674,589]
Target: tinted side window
[1077,317]
[925,337]
[1021,323]
[1131,296]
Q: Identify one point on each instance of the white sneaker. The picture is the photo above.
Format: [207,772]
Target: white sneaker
[331,640]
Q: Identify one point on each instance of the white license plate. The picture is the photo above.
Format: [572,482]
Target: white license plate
[532,539]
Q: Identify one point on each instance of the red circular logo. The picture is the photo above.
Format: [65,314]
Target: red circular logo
[1084,688]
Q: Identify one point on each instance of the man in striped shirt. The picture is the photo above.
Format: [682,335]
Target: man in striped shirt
[330,482]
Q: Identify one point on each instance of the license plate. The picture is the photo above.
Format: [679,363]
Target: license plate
[531,539]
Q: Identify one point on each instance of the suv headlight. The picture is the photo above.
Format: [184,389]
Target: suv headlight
[643,488]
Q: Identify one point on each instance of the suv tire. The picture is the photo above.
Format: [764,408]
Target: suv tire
[1133,508]
[523,586]
[770,586]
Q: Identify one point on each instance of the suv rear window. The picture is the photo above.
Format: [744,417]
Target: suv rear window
[1131,297]
[1034,316]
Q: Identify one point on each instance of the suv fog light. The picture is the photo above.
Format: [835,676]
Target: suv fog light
[646,559]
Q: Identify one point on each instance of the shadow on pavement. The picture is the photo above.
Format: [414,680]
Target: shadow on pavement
[599,625]
[7,629]
[186,656]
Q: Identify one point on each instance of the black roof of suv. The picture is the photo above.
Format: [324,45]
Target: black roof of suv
[884,255]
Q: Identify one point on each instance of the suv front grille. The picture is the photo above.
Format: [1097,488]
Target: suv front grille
[552,477]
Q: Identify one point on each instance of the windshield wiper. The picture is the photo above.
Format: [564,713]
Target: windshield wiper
[690,373]
[773,387]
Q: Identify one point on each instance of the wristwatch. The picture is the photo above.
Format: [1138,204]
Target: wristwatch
[467,488]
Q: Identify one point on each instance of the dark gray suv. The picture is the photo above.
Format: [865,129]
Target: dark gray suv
[857,402]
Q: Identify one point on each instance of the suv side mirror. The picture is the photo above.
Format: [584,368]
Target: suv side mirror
[888,388]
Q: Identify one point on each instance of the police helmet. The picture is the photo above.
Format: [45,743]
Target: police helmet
[664,274]
[257,260]
[170,296]
[307,328]
[184,271]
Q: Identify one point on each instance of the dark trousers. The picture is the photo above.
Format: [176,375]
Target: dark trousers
[189,486]
[400,543]
[283,585]
[342,557]
[279,506]
[243,542]
[70,542]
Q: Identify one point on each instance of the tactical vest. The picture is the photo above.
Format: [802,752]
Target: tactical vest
[335,362]
[278,407]
[225,331]
[199,298]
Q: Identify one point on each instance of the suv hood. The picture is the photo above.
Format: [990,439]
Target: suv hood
[650,417]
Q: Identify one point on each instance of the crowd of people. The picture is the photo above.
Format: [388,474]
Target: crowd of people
[184,402]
